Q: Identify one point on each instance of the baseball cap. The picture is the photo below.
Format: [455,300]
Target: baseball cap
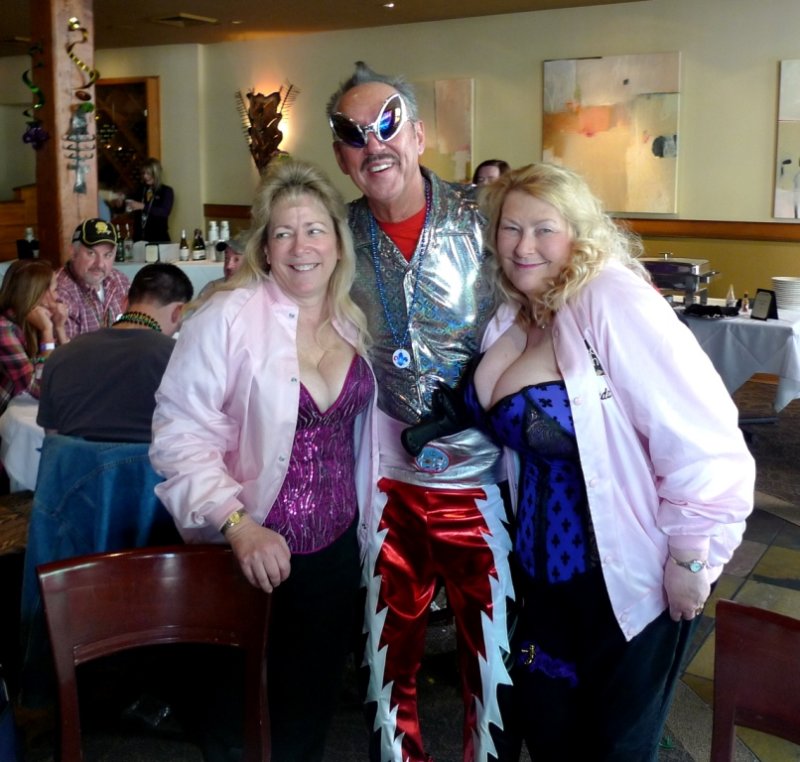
[93,231]
[237,243]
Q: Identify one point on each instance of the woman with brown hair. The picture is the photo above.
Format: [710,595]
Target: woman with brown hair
[31,324]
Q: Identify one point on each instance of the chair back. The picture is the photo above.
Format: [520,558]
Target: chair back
[756,675]
[100,604]
[91,497]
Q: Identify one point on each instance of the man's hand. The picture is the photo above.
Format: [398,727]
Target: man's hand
[263,554]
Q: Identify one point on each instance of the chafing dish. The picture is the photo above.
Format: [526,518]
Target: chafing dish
[679,276]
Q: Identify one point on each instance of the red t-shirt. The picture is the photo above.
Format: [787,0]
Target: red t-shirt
[405,233]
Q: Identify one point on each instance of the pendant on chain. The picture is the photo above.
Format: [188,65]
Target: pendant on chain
[401,358]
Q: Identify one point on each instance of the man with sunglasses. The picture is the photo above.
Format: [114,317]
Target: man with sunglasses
[440,512]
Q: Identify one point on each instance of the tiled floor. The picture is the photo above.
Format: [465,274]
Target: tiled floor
[764,572]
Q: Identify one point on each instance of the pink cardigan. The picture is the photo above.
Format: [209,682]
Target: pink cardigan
[664,461]
[226,413]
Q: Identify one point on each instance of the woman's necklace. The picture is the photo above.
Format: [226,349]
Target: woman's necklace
[401,357]
[149,196]
[138,318]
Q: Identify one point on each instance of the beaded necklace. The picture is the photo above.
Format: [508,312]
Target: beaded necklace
[401,356]
[139,318]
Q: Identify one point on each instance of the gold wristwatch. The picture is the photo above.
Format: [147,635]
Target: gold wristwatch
[232,520]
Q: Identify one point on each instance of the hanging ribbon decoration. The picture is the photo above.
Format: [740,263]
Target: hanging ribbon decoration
[78,143]
[75,26]
[34,134]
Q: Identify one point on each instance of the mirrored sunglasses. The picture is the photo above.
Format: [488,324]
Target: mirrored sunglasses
[392,116]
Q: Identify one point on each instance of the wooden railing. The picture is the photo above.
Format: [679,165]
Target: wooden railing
[15,216]
[743,231]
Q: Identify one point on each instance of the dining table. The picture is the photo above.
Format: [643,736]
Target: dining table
[742,346]
[21,442]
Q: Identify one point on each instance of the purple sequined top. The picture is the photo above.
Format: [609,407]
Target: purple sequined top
[317,501]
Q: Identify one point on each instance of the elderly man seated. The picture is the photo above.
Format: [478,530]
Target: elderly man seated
[233,251]
[101,386]
[88,284]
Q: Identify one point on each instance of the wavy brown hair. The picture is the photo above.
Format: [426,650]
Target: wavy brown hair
[24,285]
[596,238]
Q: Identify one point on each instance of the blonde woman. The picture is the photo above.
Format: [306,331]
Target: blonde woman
[263,430]
[632,480]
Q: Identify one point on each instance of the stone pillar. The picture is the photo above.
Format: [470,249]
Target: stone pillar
[59,207]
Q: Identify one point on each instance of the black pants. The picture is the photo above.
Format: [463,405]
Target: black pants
[313,629]
[614,701]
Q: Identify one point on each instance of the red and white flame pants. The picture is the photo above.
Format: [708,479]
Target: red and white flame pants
[424,534]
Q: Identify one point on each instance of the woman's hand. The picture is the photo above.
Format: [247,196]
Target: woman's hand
[687,591]
[263,554]
[131,205]
[58,314]
[39,317]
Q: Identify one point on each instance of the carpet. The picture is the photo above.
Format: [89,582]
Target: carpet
[775,446]
[15,510]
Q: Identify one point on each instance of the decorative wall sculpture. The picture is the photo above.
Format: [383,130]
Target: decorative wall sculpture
[261,118]
[614,119]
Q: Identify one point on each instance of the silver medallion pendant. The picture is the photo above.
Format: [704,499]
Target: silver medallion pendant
[401,358]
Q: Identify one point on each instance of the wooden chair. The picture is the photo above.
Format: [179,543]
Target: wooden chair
[103,603]
[756,675]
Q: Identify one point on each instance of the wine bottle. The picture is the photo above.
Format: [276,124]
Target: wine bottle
[198,245]
[127,244]
[32,244]
[183,248]
[120,255]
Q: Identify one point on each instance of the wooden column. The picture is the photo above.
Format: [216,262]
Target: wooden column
[59,207]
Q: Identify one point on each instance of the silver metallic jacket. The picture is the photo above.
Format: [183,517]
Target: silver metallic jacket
[449,311]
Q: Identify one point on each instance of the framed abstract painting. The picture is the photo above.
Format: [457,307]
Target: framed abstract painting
[787,151]
[445,107]
[614,120]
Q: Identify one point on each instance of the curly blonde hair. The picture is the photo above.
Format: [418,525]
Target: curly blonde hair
[596,238]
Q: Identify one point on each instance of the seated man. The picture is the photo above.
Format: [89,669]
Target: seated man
[88,284]
[234,256]
[101,386]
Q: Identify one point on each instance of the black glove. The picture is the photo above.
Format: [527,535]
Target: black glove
[448,416]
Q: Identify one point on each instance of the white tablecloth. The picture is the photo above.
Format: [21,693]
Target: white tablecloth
[21,442]
[740,347]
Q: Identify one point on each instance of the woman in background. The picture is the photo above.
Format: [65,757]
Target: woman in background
[151,213]
[31,324]
[488,171]
[631,477]
[264,431]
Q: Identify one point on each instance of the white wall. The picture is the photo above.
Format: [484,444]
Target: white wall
[730,54]
[730,50]
[18,166]
[17,159]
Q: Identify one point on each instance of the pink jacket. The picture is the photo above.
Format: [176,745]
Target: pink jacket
[664,461]
[226,413]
